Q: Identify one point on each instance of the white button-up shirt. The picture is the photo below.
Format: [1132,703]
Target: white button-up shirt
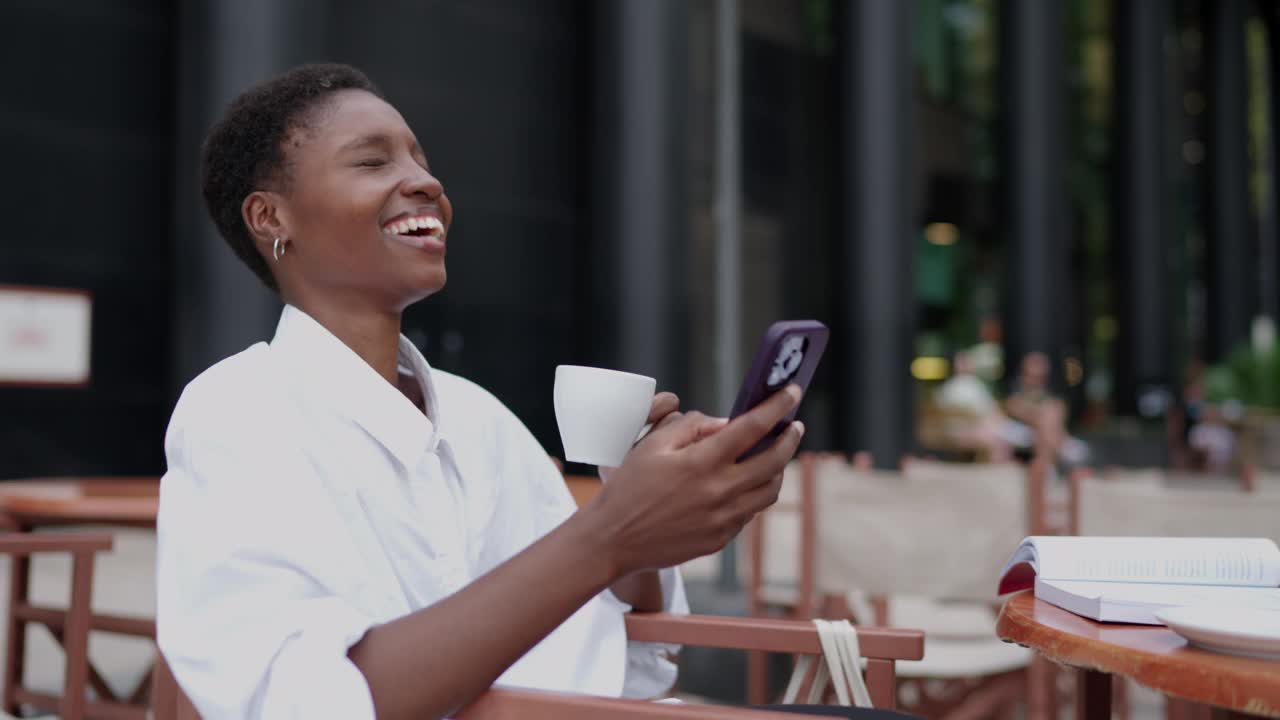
[307,499]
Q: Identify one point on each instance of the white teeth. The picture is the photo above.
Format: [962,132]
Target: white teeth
[431,224]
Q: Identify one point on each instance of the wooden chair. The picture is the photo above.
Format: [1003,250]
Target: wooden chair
[87,503]
[121,619]
[881,646]
[70,626]
[1041,514]
[1248,479]
[583,487]
[1147,503]
[168,702]
[838,529]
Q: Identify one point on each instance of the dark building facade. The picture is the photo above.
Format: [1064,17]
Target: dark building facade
[575,138]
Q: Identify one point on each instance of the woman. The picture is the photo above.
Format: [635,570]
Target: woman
[347,532]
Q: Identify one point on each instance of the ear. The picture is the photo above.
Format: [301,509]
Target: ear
[264,214]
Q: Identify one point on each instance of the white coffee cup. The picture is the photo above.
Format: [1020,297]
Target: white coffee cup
[600,412]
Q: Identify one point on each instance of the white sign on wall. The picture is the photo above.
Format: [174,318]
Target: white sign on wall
[44,336]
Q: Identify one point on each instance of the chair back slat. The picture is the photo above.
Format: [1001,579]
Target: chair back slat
[1145,504]
[936,530]
[771,635]
[882,646]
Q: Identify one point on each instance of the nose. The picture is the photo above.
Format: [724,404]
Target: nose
[421,182]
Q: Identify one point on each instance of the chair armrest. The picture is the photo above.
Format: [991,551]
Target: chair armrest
[511,704]
[23,543]
[768,634]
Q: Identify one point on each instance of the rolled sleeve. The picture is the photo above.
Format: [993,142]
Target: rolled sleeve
[248,617]
[311,676]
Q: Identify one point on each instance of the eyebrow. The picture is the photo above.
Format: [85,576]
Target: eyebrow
[378,139]
[365,141]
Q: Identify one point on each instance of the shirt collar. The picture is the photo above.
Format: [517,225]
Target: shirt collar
[331,373]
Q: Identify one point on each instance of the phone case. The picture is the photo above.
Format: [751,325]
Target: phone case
[788,353]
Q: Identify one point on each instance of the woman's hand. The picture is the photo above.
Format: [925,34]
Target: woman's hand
[664,405]
[680,494]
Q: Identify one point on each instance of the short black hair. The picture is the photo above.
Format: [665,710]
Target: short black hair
[244,151]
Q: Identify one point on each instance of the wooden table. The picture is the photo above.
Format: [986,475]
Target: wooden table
[49,502]
[27,505]
[1151,655]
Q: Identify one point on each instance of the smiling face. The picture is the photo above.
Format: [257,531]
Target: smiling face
[365,221]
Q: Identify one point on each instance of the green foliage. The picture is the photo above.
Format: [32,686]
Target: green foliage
[1248,376]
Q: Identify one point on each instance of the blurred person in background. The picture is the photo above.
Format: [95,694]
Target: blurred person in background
[347,532]
[1212,441]
[987,356]
[1185,414]
[1030,394]
[1203,438]
[989,428]
[1033,403]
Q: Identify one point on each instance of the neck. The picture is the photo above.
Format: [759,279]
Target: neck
[371,334]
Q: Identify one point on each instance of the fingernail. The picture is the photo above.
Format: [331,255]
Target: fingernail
[795,392]
[799,427]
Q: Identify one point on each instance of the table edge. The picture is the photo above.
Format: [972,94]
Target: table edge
[1011,629]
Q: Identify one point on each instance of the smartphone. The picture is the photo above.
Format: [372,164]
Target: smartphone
[788,353]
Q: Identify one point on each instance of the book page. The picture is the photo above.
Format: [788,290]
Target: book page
[1251,562]
[1155,595]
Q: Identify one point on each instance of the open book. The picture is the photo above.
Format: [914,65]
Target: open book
[1129,579]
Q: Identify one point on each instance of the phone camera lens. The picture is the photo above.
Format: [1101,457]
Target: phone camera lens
[790,358]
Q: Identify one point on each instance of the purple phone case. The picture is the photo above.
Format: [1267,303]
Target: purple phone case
[771,369]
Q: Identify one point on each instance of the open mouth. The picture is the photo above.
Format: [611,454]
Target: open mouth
[423,231]
[416,226]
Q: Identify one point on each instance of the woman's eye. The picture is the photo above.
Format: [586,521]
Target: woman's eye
[372,162]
